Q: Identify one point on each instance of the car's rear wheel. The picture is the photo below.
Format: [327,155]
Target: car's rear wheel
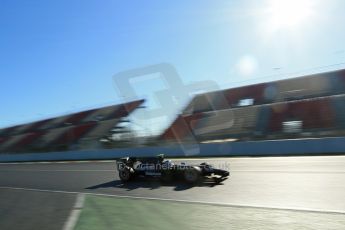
[192,175]
[125,174]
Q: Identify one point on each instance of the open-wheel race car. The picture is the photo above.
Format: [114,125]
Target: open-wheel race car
[166,170]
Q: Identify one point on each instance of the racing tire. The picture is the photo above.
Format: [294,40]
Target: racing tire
[125,174]
[192,175]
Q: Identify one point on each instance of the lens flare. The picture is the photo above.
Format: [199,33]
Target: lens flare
[289,13]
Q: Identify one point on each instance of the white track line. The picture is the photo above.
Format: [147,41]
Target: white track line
[75,212]
[186,201]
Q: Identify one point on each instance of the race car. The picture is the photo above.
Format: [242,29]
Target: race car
[131,167]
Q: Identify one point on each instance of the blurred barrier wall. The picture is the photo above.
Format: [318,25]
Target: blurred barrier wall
[334,145]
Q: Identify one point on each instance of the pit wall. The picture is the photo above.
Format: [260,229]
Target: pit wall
[295,147]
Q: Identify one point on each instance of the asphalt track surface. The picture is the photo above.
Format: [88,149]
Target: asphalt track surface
[29,191]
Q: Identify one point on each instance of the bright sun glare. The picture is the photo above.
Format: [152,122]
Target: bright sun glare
[289,13]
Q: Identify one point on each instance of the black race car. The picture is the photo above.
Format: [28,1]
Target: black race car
[130,167]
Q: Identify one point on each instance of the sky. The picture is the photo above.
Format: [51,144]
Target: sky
[58,57]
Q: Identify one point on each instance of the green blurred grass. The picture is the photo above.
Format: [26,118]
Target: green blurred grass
[125,213]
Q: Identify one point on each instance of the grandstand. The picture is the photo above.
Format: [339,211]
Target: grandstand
[73,131]
[307,106]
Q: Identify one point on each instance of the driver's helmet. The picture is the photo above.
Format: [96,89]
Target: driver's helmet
[160,157]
